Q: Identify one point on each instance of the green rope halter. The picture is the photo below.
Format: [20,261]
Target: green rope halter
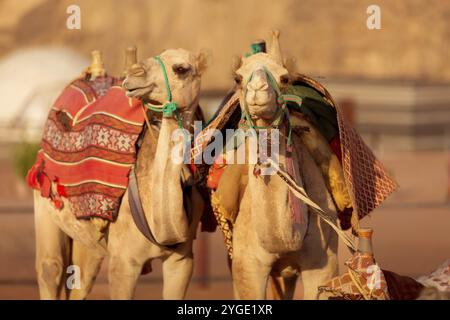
[170,108]
[282,109]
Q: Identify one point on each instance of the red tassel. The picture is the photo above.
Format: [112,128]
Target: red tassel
[215,172]
[193,168]
[31,177]
[61,190]
[57,203]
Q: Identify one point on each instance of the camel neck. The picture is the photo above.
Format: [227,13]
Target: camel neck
[159,183]
[271,213]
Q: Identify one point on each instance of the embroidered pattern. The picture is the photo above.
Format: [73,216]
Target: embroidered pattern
[88,146]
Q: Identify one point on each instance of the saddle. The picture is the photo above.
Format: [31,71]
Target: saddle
[88,147]
[228,182]
[354,177]
[357,181]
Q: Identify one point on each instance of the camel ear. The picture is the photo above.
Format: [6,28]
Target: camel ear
[236,63]
[204,60]
[291,65]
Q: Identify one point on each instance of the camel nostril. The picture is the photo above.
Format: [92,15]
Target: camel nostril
[136,70]
[126,85]
[258,86]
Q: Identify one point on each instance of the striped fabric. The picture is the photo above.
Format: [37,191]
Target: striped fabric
[88,147]
[368,181]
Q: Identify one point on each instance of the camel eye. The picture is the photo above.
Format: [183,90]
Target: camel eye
[238,79]
[284,79]
[180,70]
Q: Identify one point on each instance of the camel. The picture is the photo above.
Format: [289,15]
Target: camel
[160,190]
[268,239]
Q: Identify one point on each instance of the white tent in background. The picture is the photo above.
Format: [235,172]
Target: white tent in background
[30,81]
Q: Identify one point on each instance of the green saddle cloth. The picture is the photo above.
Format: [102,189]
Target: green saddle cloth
[316,108]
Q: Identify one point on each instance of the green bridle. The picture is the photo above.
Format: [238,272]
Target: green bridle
[281,103]
[170,108]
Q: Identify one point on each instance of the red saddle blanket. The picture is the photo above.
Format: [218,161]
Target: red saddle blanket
[88,148]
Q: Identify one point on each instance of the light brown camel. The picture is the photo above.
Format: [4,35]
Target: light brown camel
[160,191]
[267,240]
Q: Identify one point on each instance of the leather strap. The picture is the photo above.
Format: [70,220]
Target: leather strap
[134,199]
[137,211]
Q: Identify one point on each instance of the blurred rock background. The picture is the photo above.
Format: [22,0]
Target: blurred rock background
[329,38]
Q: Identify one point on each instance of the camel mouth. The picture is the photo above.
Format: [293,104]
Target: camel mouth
[260,104]
[261,111]
[154,102]
[140,91]
[260,108]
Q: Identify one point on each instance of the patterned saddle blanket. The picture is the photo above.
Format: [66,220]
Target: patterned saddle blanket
[88,147]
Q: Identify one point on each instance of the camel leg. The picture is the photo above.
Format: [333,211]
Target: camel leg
[235,291]
[283,288]
[250,277]
[313,279]
[318,256]
[319,261]
[177,272]
[318,269]
[289,284]
[123,276]
[89,261]
[52,246]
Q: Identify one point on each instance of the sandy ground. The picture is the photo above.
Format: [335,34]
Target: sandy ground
[411,234]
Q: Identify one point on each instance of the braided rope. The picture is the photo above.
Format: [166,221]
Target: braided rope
[225,225]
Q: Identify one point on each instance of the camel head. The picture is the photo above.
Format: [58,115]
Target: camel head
[260,78]
[147,79]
